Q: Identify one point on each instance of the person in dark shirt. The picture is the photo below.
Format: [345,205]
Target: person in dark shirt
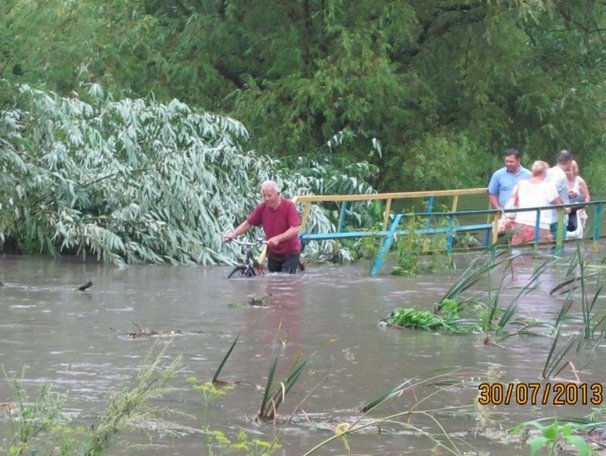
[281,224]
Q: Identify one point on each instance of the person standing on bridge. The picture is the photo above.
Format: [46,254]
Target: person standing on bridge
[281,224]
[504,180]
[578,192]
[534,192]
[557,176]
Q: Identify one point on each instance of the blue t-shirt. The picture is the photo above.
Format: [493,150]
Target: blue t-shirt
[502,183]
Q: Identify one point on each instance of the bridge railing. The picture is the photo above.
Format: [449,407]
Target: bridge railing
[467,221]
[388,198]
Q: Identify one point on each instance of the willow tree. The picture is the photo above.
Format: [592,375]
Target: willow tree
[131,180]
[443,85]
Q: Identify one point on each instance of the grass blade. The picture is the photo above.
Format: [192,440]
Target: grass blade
[263,412]
[224,360]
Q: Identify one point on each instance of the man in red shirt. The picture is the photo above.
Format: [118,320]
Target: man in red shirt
[281,224]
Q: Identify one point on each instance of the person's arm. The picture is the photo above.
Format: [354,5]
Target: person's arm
[562,188]
[242,228]
[493,201]
[584,188]
[288,234]
[493,191]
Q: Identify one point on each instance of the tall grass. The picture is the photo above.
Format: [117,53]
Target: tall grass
[40,427]
[275,393]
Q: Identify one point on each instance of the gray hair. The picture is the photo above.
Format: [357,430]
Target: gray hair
[539,167]
[564,156]
[271,184]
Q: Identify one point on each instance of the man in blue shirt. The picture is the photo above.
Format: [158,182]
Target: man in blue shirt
[504,180]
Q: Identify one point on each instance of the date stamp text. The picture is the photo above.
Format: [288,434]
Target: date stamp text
[524,393]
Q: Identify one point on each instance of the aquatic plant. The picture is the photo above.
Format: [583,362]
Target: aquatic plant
[215,380]
[218,442]
[40,426]
[447,319]
[29,420]
[592,331]
[477,270]
[495,319]
[443,441]
[275,393]
[551,436]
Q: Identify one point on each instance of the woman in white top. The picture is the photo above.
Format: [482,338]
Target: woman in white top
[578,192]
[534,192]
[577,187]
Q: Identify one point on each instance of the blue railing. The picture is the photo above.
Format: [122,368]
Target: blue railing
[450,225]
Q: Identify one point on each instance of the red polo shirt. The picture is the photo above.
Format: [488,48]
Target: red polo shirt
[277,221]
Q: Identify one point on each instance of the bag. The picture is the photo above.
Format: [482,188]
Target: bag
[573,221]
[580,219]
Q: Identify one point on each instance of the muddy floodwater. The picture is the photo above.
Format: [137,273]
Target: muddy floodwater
[81,342]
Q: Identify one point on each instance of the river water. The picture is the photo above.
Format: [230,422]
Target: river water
[79,342]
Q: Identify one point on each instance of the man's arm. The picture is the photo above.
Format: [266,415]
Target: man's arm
[493,190]
[493,201]
[288,234]
[563,192]
[242,228]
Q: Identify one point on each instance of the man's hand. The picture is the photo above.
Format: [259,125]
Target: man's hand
[272,242]
[229,237]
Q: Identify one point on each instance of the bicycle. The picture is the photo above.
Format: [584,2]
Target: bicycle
[250,267]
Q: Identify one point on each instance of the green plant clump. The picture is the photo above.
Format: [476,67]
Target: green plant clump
[445,317]
[551,437]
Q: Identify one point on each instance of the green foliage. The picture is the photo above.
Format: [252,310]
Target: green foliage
[31,420]
[133,180]
[217,442]
[40,427]
[275,393]
[415,248]
[552,436]
[444,88]
[447,318]
[439,160]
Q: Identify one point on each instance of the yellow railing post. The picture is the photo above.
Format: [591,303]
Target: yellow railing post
[387,213]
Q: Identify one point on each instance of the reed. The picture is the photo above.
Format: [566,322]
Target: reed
[446,443]
[215,380]
[553,363]
[275,393]
[39,426]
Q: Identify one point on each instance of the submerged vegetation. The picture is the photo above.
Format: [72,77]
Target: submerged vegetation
[40,425]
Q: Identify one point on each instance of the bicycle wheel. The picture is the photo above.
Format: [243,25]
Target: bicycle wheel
[238,271]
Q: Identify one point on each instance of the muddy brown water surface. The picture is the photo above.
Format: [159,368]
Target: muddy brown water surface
[80,343]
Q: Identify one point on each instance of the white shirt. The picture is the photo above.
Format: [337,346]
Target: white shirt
[535,195]
[557,177]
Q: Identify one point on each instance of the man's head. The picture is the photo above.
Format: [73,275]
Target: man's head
[270,191]
[564,159]
[512,160]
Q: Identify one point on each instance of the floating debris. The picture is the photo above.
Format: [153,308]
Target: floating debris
[145,332]
[85,286]
[259,301]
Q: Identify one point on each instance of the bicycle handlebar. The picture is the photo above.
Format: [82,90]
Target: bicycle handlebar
[248,243]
